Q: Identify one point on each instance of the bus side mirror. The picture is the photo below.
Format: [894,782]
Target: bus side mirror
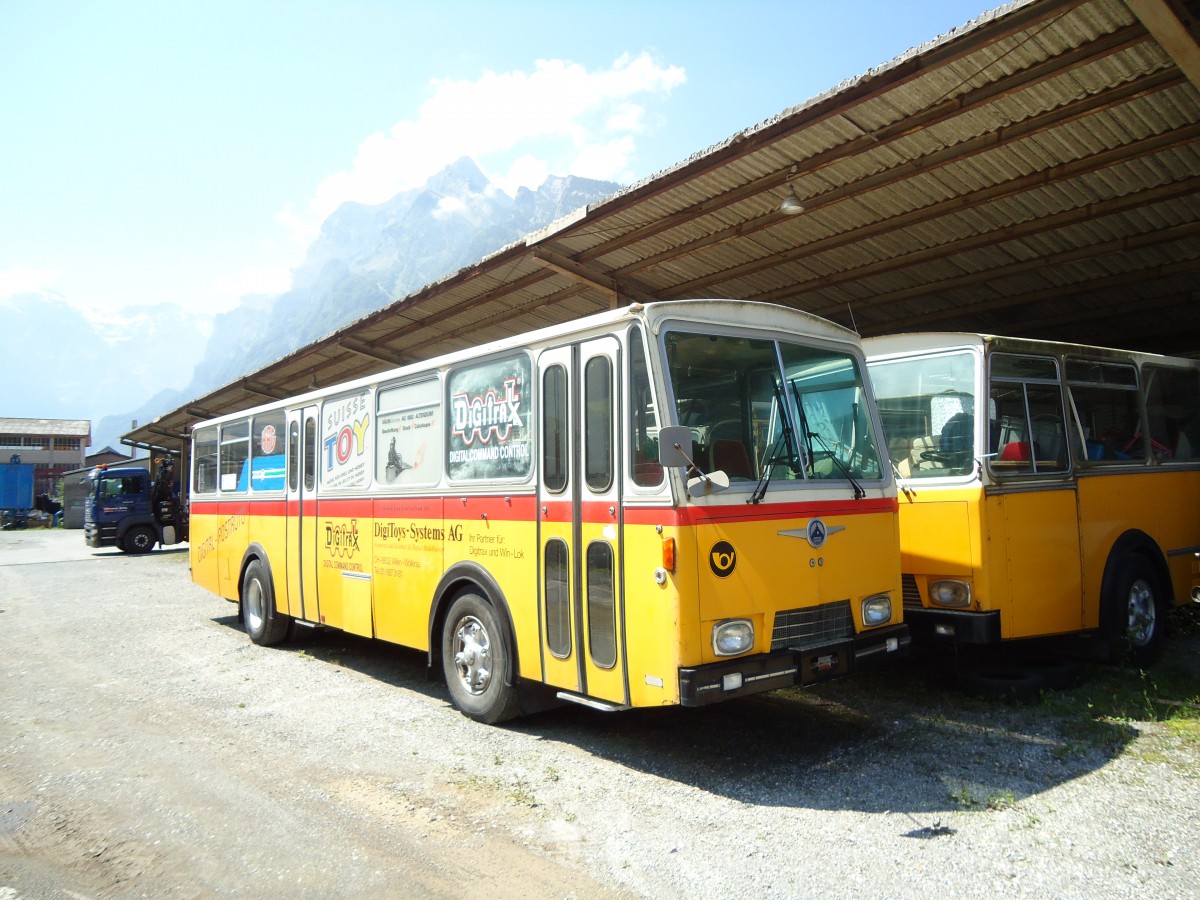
[675,449]
[675,445]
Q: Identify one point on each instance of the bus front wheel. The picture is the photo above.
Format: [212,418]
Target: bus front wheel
[1136,612]
[475,661]
[264,625]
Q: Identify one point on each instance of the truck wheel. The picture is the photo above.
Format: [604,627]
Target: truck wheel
[264,625]
[139,539]
[1135,612]
[475,661]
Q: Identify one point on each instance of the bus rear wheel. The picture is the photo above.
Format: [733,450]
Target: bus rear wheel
[1135,612]
[476,663]
[264,625]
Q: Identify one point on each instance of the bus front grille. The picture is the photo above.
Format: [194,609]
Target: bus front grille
[910,592]
[798,629]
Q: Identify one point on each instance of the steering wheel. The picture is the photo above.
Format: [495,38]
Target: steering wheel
[951,460]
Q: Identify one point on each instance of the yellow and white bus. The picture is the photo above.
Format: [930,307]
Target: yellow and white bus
[1048,488]
[672,503]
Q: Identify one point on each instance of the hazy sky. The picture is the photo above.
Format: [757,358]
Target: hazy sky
[187,152]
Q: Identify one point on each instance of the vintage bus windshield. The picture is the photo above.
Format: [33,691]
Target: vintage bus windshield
[753,405]
[927,405]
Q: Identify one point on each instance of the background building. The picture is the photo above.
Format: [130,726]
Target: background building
[54,446]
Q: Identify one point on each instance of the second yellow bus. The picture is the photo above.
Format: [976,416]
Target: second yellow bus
[1047,488]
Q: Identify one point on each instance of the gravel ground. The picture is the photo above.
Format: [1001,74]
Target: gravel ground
[147,748]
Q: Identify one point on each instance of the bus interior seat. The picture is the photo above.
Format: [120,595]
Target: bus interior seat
[645,470]
[1014,451]
[731,458]
[1048,439]
[899,449]
[915,460]
[956,434]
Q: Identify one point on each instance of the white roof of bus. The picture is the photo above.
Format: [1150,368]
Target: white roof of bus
[930,341]
[706,312]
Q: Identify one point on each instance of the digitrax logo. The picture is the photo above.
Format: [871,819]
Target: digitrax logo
[341,540]
[722,558]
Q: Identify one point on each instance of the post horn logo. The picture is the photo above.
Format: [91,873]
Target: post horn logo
[722,558]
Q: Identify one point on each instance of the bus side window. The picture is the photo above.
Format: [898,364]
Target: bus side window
[643,418]
[1173,412]
[1104,397]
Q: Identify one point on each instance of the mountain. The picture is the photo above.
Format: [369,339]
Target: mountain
[59,362]
[369,256]
[365,257]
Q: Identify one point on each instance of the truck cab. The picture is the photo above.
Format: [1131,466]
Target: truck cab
[128,508]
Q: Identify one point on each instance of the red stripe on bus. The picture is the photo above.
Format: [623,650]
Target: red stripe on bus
[524,507]
[700,515]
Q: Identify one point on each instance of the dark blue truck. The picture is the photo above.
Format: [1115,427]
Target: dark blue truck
[129,508]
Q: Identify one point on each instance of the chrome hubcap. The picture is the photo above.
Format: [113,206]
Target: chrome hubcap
[1141,613]
[252,606]
[473,655]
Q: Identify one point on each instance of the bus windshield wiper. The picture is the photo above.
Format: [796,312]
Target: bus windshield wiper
[809,435]
[859,493]
[772,460]
[783,442]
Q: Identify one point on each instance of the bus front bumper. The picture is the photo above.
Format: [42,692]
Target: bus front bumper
[957,625]
[715,682]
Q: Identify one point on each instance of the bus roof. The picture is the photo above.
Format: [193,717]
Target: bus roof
[930,341]
[654,315]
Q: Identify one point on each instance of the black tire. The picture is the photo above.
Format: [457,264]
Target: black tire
[476,663]
[1058,672]
[1003,682]
[264,625]
[139,539]
[1134,612]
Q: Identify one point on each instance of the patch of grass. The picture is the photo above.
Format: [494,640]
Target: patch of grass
[964,797]
[1105,711]
[520,794]
[1001,800]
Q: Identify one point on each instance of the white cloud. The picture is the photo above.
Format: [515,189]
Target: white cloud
[447,206]
[256,280]
[22,280]
[526,170]
[559,118]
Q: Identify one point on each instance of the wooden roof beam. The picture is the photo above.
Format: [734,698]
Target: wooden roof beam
[375,353]
[250,386]
[1164,26]
[574,270]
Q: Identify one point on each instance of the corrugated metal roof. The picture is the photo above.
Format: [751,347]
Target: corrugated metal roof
[47,427]
[1034,173]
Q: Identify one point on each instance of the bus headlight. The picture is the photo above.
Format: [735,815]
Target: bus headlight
[876,610]
[950,593]
[733,636]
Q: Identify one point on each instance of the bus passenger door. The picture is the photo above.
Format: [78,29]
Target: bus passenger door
[581,611]
[1041,529]
[301,514]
